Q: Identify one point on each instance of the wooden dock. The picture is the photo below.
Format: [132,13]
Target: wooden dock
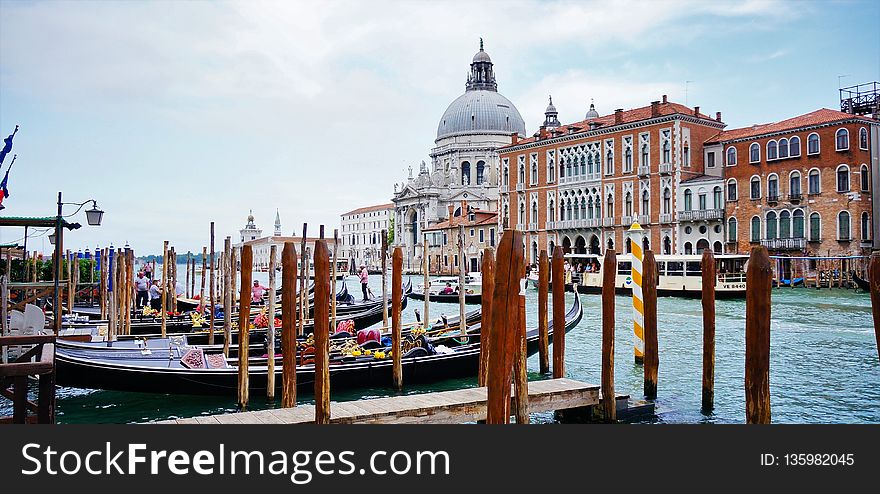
[443,407]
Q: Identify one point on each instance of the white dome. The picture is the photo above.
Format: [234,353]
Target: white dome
[480,112]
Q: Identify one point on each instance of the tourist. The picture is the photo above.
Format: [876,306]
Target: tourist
[156,296]
[257,292]
[364,275]
[447,290]
[142,287]
[148,270]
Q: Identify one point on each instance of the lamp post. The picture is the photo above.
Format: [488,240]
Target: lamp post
[94,217]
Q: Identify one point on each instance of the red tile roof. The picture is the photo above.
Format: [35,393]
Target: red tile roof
[818,117]
[370,209]
[627,116]
[482,218]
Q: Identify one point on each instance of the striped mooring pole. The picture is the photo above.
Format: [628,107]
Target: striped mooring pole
[636,233]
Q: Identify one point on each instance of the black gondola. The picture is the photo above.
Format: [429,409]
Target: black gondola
[862,283]
[452,298]
[128,369]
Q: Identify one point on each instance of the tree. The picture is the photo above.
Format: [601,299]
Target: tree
[391,230]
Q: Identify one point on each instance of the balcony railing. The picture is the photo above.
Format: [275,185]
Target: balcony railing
[593,223]
[795,196]
[644,170]
[784,243]
[643,219]
[626,220]
[701,214]
[666,218]
[581,178]
[533,226]
[520,187]
[520,227]
[773,197]
[665,168]
[608,221]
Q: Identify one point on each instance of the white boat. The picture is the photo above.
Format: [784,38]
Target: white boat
[473,285]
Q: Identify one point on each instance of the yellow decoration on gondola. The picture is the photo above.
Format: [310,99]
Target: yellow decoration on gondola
[379,355]
[355,353]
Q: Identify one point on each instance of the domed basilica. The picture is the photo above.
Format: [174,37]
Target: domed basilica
[464,163]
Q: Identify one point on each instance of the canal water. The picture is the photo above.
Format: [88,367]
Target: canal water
[824,366]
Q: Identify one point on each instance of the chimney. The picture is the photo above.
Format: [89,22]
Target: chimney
[618,116]
[697,111]
[664,99]
[514,138]
[655,109]
[718,116]
[463,208]
[542,132]
[594,125]
[451,209]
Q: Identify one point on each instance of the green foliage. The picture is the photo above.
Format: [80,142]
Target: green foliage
[391,230]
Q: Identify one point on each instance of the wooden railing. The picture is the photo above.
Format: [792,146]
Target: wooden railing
[37,361]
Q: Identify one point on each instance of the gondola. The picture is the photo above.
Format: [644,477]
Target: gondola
[788,282]
[429,359]
[452,298]
[862,283]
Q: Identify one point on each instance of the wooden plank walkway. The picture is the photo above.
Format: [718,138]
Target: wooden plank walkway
[443,407]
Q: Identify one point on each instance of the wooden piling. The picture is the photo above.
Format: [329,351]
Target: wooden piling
[214,291]
[520,369]
[396,300]
[558,278]
[384,279]
[229,292]
[173,267]
[288,325]
[186,290]
[609,273]
[488,290]
[303,275]
[131,292]
[462,268]
[322,333]
[543,329]
[426,264]
[333,275]
[192,281]
[114,294]
[70,285]
[708,269]
[649,295]
[202,304]
[874,280]
[509,269]
[247,268]
[757,380]
[270,330]
[164,314]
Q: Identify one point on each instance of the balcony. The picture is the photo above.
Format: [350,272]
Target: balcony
[520,227]
[593,223]
[551,225]
[773,198]
[626,220]
[701,215]
[520,187]
[666,218]
[643,219]
[644,170]
[608,221]
[795,196]
[533,226]
[666,169]
[784,243]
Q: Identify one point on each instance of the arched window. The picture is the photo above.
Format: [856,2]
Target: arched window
[577,210]
[813,143]
[771,151]
[842,178]
[794,185]
[731,156]
[731,230]
[628,205]
[667,245]
[590,208]
[646,244]
[562,169]
[797,224]
[783,148]
[701,200]
[814,183]
[843,230]
[717,248]
[481,170]
[754,153]
[866,226]
[644,155]
[755,188]
[628,245]
[609,209]
[732,192]
[562,216]
[688,248]
[784,224]
[609,163]
[666,152]
[756,229]
[466,174]
[771,225]
[863,138]
[688,200]
[866,178]
[584,164]
[841,138]
[506,214]
[717,201]
[522,213]
[794,147]
[815,227]
[522,173]
[505,175]
[667,201]
[551,211]
[773,187]
[646,203]
[628,159]
[534,217]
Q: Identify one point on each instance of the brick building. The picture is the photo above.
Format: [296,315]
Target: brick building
[582,185]
[480,229]
[801,186]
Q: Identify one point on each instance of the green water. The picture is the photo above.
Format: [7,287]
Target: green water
[824,366]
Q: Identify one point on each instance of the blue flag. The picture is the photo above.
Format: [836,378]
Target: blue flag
[7,146]
[4,192]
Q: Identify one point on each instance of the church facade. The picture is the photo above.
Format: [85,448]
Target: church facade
[463,163]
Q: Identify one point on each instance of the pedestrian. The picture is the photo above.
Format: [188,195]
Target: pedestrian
[365,278]
[257,292]
[142,286]
[156,296]
[148,270]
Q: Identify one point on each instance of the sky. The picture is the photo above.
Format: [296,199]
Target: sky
[173,114]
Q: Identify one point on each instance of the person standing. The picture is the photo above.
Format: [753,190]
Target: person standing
[142,286]
[257,292]
[148,270]
[156,296]
[364,275]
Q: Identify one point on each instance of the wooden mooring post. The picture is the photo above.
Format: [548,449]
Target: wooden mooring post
[396,300]
[322,333]
[214,291]
[543,328]
[288,325]
[558,278]
[426,264]
[247,268]
[229,292]
[164,314]
[708,269]
[652,355]
[874,279]
[202,305]
[303,275]
[462,269]
[502,339]
[384,279]
[520,369]
[609,274]
[333,275]
[270,330]
[488,290]
[757,380]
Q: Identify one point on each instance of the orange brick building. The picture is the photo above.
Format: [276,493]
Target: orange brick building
[479,229]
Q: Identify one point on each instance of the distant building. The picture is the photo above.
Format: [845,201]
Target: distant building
[479,229]
[360,240]
[261,246]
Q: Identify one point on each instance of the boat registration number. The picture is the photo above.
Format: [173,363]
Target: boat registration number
[733,286]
